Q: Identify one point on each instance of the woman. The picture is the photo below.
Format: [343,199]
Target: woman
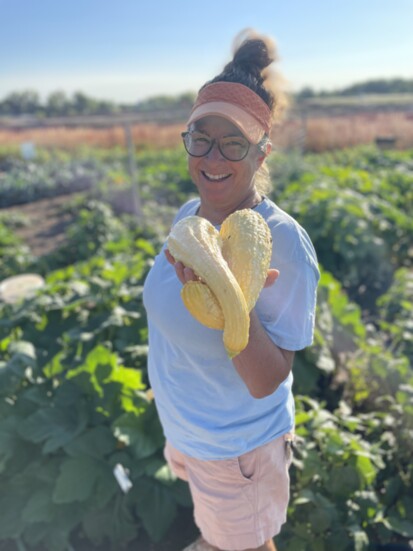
[227,422]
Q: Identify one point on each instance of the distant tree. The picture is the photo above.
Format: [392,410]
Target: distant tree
[83,105]
[305,93]
[165,102]
[21,103]
[107,108]
[57,104]
[380,86]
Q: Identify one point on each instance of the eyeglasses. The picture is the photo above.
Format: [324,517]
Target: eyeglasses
[233,148]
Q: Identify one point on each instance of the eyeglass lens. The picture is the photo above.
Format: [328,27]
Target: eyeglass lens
[233,148]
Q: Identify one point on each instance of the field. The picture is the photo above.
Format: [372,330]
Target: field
[74,395]
[316,125]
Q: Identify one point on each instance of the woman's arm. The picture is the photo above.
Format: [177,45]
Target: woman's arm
[262,365]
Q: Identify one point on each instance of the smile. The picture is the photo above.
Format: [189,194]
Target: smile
[215,177]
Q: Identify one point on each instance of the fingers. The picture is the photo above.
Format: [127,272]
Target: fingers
[271,277]
[184,273]
[169,257]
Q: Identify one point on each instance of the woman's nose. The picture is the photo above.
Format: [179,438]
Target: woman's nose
[215,153]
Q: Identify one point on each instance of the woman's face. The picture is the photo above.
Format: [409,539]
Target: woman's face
[223,184]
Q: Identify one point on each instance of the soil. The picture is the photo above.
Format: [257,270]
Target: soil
[46,223]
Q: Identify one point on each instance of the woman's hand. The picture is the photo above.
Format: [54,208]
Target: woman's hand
[186,274]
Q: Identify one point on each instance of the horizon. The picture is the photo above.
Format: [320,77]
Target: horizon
[132,52]
[179,94]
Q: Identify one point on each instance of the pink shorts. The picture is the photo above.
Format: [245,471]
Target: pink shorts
[239,503]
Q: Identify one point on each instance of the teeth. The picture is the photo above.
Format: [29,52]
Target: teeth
[216,176]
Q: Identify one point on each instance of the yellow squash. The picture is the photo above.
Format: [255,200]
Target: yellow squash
[247,248]
[197,244]
[244,244]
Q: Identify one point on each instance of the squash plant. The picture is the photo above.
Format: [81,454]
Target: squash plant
[356,206]
[74,396]
[74,403]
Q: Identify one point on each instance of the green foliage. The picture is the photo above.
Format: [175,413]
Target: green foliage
[164,176]
[357,214]
[94,227]
[74,403]
[334,504]
[381,86]
[14,255]
[59,104]
[75,397]
[46,176]
[396,313]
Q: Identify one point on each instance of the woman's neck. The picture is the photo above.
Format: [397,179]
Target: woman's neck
[216,215]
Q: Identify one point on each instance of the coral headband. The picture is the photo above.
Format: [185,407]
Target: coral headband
[236,103]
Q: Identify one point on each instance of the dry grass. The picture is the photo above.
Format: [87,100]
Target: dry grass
[147,134]
[309,134]
[334,132]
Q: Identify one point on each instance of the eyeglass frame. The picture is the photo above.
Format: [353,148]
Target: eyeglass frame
[213,141]
[262,146]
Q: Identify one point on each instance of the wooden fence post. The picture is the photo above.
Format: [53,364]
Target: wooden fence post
[133,171]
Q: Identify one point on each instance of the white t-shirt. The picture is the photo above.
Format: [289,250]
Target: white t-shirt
[204,406]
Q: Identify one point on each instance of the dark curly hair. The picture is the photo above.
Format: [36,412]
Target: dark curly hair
[250,65]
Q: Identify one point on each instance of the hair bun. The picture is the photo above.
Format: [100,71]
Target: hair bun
[253,52]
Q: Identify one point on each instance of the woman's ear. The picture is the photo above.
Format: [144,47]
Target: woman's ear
[262,155]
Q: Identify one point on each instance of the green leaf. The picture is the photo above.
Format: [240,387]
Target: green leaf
[124,523]
[142,432]
[320,519]
[97,524]
[180,491]
[11,523]
[344,481]
[7,440]
[39,508]
[165,476]
[365,468]
[39,395]
[95,442]
[54,366]
[35,533]
[76,480]
[54,426]
[156,507]
[401,526]
[338,540]
[130,378]
[23,348]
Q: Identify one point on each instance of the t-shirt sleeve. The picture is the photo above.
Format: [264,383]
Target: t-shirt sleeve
[287,309]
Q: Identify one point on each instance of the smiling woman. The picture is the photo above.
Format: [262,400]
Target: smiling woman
[228,417]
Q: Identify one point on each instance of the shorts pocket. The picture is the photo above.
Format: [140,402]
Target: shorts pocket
[246,465]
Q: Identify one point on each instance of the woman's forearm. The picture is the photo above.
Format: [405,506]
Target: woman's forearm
[262,365]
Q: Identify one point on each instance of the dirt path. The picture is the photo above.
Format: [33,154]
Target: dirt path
[47,223]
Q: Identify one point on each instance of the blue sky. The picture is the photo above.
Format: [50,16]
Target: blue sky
[127,50]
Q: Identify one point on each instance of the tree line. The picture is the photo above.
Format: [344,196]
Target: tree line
[59,104]
[377,86]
